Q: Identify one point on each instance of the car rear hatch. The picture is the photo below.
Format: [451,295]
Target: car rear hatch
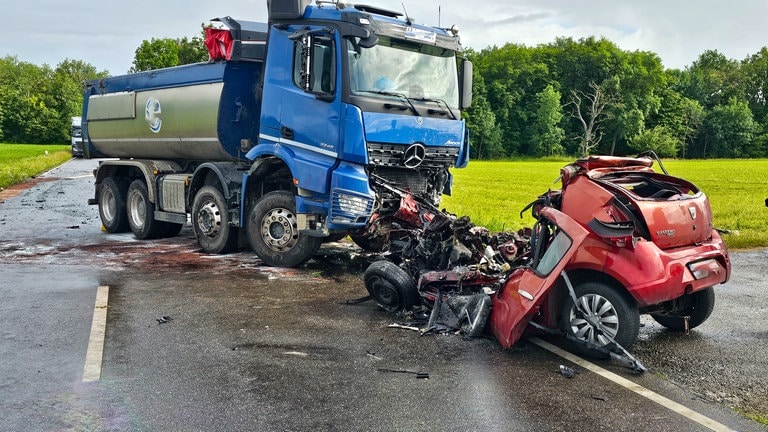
[669,211]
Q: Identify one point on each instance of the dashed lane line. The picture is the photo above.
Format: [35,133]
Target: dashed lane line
[92,369]
[636,388]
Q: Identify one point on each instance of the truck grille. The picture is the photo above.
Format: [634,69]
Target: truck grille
[391,155]
[408,179]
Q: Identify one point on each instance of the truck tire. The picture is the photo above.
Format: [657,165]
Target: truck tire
[112,210]
[141,213]
[210,222]
[617,314]
[391,287]
[698,306]
[273,232]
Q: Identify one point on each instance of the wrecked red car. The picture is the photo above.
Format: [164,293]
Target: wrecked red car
[617,240]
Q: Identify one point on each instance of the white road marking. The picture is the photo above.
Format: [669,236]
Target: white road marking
[92,369]
[80,176]
[631,386]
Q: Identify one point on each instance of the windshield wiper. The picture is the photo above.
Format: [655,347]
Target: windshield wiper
[438,101]
[397,95]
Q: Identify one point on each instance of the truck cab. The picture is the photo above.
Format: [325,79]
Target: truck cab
[76,137]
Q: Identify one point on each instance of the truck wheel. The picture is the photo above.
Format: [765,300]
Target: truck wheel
[274,234]
[391,287]
[141,212]
[210,222]
[112,208]
[617,315]
[698,306]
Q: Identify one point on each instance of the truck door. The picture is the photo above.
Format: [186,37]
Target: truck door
[301,108]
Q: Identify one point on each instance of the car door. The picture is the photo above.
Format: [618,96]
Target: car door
[515,304]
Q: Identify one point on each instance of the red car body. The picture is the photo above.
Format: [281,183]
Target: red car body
[650,237]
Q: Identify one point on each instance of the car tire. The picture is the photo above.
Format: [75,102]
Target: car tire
[273,232]
[698,307]
[391,287]
[210,222]
[616,312]
[112,209]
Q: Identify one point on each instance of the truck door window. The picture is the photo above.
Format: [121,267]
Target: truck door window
[314,64]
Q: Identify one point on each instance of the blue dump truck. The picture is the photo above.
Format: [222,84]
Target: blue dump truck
[276,141]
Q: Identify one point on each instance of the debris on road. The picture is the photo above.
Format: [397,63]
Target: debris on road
[655,230]
[419,375]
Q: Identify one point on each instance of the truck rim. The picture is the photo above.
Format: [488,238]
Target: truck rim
[109,206]
[209,219]
[137,209]
[279,230]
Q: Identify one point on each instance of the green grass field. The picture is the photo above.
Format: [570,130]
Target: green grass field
[493,193]
[19,162]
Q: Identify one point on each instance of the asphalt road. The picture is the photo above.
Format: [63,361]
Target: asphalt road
[198,342]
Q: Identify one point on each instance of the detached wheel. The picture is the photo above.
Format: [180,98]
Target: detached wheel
[112,209]
[274,234]
[698,306]
[210,222]
[391,287]
[141,213]
[616,315]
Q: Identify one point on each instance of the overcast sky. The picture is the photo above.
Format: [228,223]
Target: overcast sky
[107,33]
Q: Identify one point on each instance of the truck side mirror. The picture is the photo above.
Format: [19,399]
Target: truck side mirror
[466,84]
[315,65]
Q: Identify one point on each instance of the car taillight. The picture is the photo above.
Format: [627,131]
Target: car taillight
[704,269]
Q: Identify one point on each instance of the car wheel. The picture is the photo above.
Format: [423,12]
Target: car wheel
[274,234]
[391,287]
[615,314]
[210,222]
[112,210]
[697,306]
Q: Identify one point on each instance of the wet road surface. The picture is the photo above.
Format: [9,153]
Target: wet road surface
[199,342]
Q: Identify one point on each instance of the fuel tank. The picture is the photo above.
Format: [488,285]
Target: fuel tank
[204,111]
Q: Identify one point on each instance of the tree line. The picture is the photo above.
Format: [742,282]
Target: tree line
[568,97]
[587,96]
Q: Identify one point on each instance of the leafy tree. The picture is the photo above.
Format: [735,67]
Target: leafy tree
[545,135]
[658,139]
[755,75]
[156,54]
[167,52]
[729,131]
[485,135]
[714,80]
[37,102]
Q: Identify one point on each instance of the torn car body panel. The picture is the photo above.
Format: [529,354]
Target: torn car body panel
[515,304]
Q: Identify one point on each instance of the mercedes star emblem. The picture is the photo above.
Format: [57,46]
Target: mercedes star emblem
[414,156]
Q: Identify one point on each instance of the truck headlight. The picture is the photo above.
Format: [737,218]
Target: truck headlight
[353,205]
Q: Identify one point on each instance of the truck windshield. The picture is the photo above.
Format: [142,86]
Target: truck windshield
[397,67]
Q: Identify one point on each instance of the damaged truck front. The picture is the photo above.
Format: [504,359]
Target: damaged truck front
[617,240]
[273,142]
